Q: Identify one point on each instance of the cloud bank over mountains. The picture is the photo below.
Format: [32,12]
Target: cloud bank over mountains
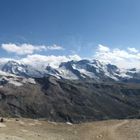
[52,60]
[128,58]
[123,58]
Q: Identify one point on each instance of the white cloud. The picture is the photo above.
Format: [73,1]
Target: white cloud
[134,50]
[24,49]
[103,48]
[4,60]
[51,60]
[54,47]
[123,58]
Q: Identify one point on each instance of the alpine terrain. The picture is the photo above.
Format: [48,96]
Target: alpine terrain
[74,91]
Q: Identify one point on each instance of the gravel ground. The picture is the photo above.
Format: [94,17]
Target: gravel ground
[28,129]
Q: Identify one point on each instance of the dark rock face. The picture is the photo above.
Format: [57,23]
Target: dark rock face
[73,101]
[15,68]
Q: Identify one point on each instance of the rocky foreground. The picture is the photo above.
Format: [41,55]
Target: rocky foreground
[28,129]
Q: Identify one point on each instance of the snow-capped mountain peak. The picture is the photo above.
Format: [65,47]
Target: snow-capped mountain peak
[74,70]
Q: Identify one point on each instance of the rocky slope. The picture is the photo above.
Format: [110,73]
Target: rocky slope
[73,92]
[69,101]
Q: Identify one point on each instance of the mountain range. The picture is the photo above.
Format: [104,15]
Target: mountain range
[74,91]
[74,70]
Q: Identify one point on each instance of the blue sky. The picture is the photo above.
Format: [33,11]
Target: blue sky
[76,25]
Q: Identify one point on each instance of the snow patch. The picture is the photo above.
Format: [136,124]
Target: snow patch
[29,80]
[68,123]
[15,83]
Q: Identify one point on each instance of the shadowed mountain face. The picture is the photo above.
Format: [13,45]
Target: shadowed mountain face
[73,101]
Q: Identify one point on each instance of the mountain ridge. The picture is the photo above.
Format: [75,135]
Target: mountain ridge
[74,70]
